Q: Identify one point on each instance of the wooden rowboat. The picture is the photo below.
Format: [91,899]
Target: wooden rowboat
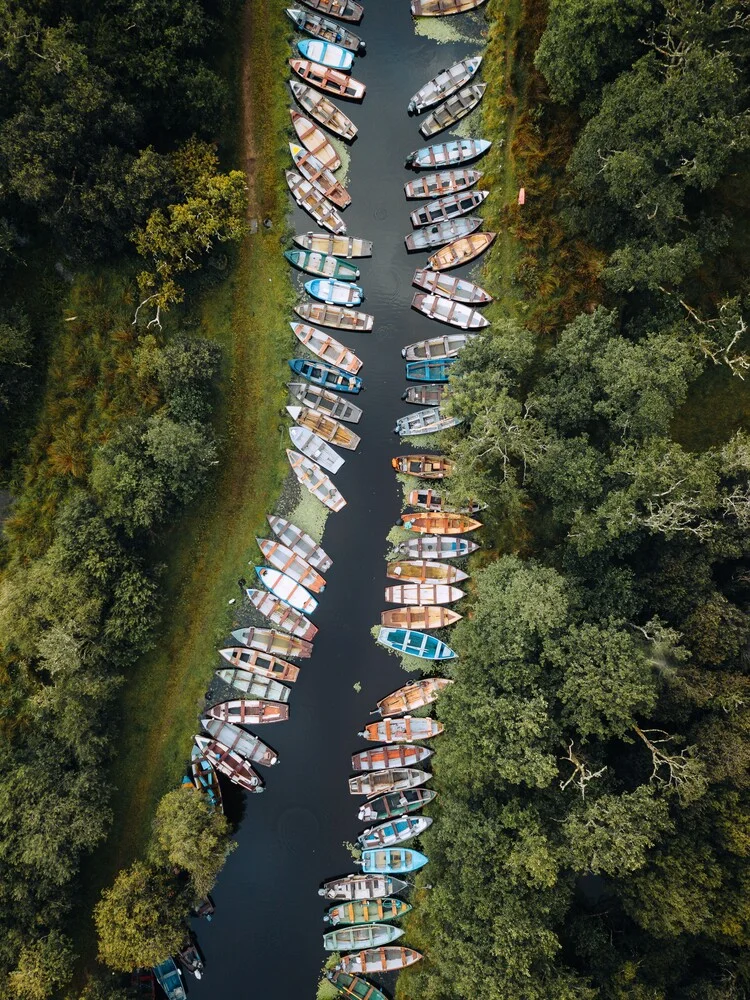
[413,696]
[315,448]
[314,171]
[253,686]
[442,232]
[249,711]
[391,861]
[326,53]
[442,183]
[446,154]
[454,109]
[313,202]
[322,265]
[446,346]
[329,31]
[362,887]
[324,111]
[430,371]
[270,642]
[230,764]
[240,741]
[423,466]
[428,421]
[204,777]
[327,348]
[339,246]
[448,311]
[282,558]
[423,593]
[402,730]
[441,524]
[282,614]
[337,317]
[287,589]
[395,779]
[450,207]
[366,911]
[331,81]
[429,500]
[447,82]
[314,140]
[352,986]
[169,976]
[427,647]
[460,252]
[393,832]
[315,398]
[265,664]
[361,935]
[436,547]
[385,758]
[379,960]
[325,376]
[419,617]
[334,293]
[300,543]
[347,10]
[440,8]
[396,804]
[449,287]
[424,395]
[324,426]
[425,571]
[312,477]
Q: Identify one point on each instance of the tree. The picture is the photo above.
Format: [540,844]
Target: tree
[44,967]
[191,835]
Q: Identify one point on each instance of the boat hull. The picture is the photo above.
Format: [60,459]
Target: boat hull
[379,960]
[254,687]
[447,311]
[415,643]
[264,664]
[387,757]
[311,476]
[436,547]
[447,82]
[346,10]
[394,779]
[353,986]
[361,887]
[440,233]
[441,524]
[230,764]
[402,730]
[249,712]
[321,27]
[330,81]
[282,558]
[326,427]
[395,804]
[240,741]
[393,832]
[447,154]
[442,182]
[327,348]
[461,252]
[315,448]
[322,265]
[457,106]
[314,203]
[429,370]
[268,640]
[366,911]
[324,111]
[425,395]
[392,860]
[336,317]
[423,593]
[314,140]
[420,617]
[300,543]
[368,935]
[458,289]
[312,397]
[326,376]
[423,466]
[321,178]
[282,614]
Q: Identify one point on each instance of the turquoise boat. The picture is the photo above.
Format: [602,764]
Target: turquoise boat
[391,861]
[447,154]
[429,371]
[205,778]
[326,375]
[334,293]
[323,265]
[361,936]
[326,53]
[394,831]
[405,640]
[353,986]
[169,977]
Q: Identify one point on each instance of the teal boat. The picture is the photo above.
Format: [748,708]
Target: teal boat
[429,371]
[396,803]
[366,911]
[326,376]
[353,986]
[322,265]
[169,977]
[394,831]
[405,640]
[361,936]
[334,293]
[391,861]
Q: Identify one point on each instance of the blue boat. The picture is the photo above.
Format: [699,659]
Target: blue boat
[405,640]
[326,53]
[429,371]
[391,860]
[169,977]
[205,778]
[334,293]
[447,154]
[326,375]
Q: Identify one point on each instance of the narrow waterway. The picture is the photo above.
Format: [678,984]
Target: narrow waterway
[266,937]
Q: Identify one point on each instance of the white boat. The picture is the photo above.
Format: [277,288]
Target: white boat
[423,593]
[448,311]
[325,401]
[300,542]
[436,547]
[440,233]
[240,741]
[324,111]
[314,140]
[287,589]
[326,53]
[326,348]
[458,289]
[315,448]
[253,686]
[447,346]
[282,614]
[447,82]
[393,832]
[339,246]
[281,557]
[321,178]
[312,477]
[313,202]
[453,110]
[330,430]
[447,154]
[443,182]
[452,206]
[428,421]
[394,779]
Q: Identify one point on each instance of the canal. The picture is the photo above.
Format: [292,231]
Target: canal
[265,938]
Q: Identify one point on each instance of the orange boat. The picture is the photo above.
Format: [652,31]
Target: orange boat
[331,81]
[425,571]
[460,251]
[250,711]
[414,695]
[423,466]
[441,8]
[420,617]
[441,524]
[262,664]
[382,758]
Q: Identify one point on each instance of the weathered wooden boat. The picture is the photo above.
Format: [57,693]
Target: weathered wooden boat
[425,395]
[324,426]
[428,421]
[263,664]
[324,111]
[436,547]
[300,543]
[425,571]
[423,466]
[446,346]
[420,617]
[458,289]
[283,558]
[361,887]
[443,182]
[441,524]
[319,176]
[414,695]
[190,959]
[353,986]
[331,81]
[169,977]
[282,614]
[391,861]
[423,593]
[440,8]
[402,730]
[394,831]
[329,31]
[240,741]
[379,960]
[347,10]
[394,779]
[450,207]
[335,293]
[337,317]
[456,107]
[230,764]
[315,448]
[460,252]
[287,589]
[442,232]
[429,500]
[339,246]
[249,711]
[254,686]
[204,777]
[312,201]
[385,758]
[446,154]
[415,644]
[327,348]
[447,82]
[325,376]
[312,397]
[314,140]
[323,265]
[312,477]
[366,911]
[326,53]
[361,935]
[395,804]
[429,371]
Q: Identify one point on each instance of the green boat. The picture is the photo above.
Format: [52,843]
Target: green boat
[366,911]
[360,936]
[353,986]
[322,265]
[396,803]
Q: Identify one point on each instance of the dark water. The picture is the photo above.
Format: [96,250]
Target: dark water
[265,938]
